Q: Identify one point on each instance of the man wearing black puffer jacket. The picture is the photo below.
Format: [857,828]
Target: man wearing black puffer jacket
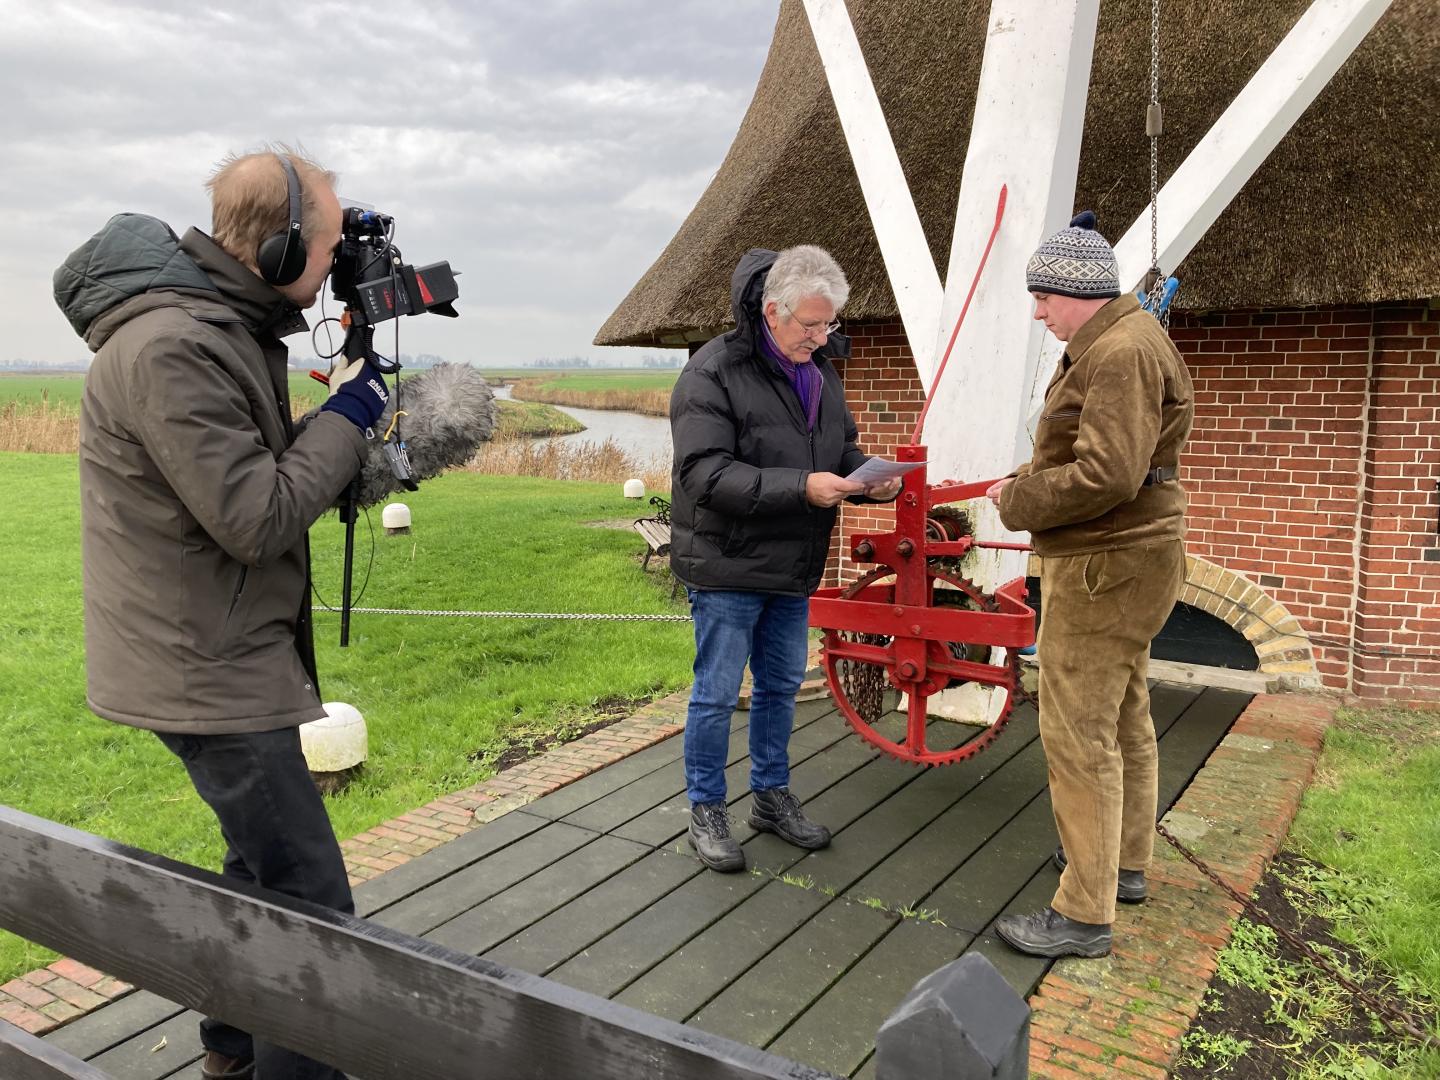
[763,442]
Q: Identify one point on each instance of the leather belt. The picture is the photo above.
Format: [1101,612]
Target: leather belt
[1161,475]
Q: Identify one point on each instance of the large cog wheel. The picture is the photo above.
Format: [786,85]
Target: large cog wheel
[861,668]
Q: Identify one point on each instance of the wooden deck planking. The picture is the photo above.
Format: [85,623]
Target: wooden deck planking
[790,957]
[113,1024]
[548,943]
[564,933]
[662,794]
[484,926]
[684,981]
[422,912]
[404,881]
[798,971]
[837,1032]
[160,1050]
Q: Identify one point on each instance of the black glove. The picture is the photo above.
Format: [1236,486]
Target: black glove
[358,393]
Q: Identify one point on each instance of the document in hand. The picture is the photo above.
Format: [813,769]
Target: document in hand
[880,471]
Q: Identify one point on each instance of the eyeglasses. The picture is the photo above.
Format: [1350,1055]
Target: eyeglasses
[814,329]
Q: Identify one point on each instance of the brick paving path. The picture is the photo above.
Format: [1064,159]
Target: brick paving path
[1122,1016]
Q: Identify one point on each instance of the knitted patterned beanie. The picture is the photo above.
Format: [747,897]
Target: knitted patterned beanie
[1076,261]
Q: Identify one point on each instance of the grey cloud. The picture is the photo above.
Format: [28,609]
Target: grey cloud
[549,149]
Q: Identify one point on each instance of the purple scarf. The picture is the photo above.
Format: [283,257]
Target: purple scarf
[805,379]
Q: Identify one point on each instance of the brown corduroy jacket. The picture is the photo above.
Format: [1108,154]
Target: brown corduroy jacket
[1120,404]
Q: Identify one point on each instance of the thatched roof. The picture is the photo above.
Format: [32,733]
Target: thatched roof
[1346,210]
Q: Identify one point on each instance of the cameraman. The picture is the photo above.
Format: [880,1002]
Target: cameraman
[196,498]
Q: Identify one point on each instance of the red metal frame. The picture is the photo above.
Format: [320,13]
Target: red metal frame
[917,659]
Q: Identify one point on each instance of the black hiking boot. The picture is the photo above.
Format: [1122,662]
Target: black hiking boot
[1048,933]
[779,812]
[710,837]
[1131,889]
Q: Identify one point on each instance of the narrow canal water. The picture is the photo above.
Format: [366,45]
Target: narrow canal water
[644,438]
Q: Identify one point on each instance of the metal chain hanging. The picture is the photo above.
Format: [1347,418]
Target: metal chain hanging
[1385,1009]
[1154,125]
[583,616]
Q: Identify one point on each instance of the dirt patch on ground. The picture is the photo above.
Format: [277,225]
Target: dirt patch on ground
[1271,1013]
[523,745]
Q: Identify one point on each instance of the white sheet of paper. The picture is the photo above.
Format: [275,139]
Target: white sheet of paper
[880,471]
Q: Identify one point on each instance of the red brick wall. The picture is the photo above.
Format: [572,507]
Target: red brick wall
[1397,626]
[1312,471]
[1273,464]
[884,392]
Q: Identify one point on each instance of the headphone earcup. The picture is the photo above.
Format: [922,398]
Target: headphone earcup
[281,258]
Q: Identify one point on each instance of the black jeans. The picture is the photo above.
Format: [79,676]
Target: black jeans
[279,837]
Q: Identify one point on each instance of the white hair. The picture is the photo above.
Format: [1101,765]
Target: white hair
[799,273]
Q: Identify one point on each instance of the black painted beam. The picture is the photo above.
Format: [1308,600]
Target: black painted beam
[370,1000]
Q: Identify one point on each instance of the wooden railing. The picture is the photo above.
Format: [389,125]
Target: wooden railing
[395,1006]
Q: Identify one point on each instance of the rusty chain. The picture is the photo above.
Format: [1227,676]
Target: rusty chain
[1398,1019]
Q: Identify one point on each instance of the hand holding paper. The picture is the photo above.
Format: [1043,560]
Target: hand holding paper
[878,471]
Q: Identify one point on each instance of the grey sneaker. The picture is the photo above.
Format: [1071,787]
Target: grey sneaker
[710,837]
[1131,889]
[1048,933]
[778,811]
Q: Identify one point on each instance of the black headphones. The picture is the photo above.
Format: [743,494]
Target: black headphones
[281,258]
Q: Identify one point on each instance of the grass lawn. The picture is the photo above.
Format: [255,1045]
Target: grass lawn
[440,696]
[1361,871]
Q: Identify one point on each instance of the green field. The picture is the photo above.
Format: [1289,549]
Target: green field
[441,696]
[588,381]
[58,389]
[64,388]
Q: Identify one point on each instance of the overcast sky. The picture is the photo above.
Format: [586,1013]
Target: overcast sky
[547,148]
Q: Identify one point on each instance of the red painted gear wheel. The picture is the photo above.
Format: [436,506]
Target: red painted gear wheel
[860,667]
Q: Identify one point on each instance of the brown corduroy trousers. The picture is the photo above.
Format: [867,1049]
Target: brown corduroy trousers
[1098,615]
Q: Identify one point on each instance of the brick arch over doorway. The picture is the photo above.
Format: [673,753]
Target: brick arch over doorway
[1280,642]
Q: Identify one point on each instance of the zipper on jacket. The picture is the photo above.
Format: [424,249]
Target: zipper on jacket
[810,436]
[1061,414]
[239,588]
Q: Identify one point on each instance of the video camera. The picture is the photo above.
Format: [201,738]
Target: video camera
[371,278]
[373,281]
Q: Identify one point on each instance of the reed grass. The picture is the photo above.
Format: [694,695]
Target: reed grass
[47,427]
[652,402]
[42,427]
[519,418]
[552,459]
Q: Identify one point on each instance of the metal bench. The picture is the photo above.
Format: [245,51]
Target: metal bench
[657,538]
[656,531]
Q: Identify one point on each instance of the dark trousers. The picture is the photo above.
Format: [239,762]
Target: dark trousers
[279,837]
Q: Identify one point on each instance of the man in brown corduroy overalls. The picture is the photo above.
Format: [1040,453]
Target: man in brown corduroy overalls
[1106,514]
